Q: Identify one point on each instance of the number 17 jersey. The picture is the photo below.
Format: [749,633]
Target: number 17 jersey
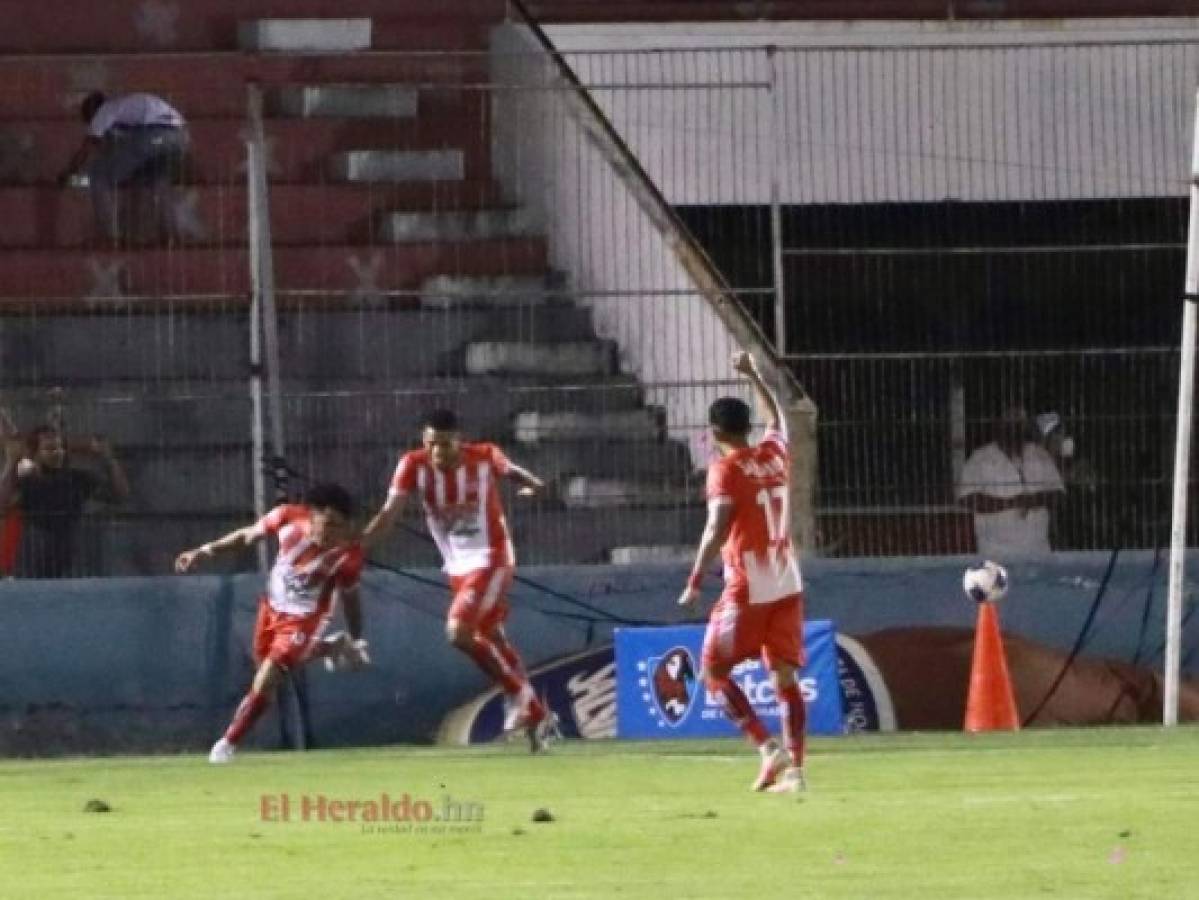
[759,565]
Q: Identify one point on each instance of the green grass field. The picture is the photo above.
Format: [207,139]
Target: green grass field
[1086,813]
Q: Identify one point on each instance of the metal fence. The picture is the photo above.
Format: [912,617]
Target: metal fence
[924,233]
[949,229]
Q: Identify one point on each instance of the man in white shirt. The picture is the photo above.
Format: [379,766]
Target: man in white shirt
[1010,485]
[134,139]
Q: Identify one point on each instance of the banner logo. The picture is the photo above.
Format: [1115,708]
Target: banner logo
[670,684]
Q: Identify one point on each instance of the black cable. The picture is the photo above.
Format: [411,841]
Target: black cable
[1161,648]
[607,618]
[281,471]
[1080,641]
[1148,608]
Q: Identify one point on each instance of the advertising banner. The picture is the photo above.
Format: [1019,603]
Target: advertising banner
[659,694]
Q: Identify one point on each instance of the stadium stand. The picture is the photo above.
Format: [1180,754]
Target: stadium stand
[404,279]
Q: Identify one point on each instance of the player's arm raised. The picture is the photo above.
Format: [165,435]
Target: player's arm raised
[529,483]
[234,540]
[716,532]
[384,520]
[744,363]
[351,605]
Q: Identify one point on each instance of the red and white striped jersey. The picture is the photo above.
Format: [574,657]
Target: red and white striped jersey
[759,566]
[304,576]
[462,505]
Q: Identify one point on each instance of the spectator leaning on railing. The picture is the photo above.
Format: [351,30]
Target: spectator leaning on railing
[52,494]
[134,139]
[1011,485]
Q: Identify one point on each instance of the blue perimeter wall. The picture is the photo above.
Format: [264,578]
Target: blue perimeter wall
[99,665]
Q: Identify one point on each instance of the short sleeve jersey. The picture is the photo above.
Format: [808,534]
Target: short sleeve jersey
[462,505]
[304,576]
[759,565]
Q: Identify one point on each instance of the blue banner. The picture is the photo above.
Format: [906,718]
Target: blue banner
[659,694]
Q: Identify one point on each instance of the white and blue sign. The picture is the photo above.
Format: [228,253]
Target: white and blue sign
[659,692]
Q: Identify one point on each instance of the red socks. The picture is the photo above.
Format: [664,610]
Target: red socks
[488,658]
[795,719]
[737,707]
[791,706]
[251,708]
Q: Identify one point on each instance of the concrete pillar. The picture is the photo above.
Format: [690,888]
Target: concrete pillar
[801,428]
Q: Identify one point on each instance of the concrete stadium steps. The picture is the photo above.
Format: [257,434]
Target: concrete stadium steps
[293,35]
[586,536]
[356,269]
[134,543]
[297,149]
[683,11]
[624,11]
[568,360]
[653,464]
[456,226]
[165,481]
[403,343]
[213,85]
[590,492]
[110,25]
[556,536]
[639,554]
[168,414]
[535,427]
[318,343]
[389,166]
[344,101]
[44,217]
[453,292]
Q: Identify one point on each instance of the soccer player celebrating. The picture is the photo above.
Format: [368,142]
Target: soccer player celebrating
[456,483]
[761,609]
[319,563]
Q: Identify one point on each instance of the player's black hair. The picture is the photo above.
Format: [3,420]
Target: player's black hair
[442,420]
[730,415]
[330,496]
[90,104]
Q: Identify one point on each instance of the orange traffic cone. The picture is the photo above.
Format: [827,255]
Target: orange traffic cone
[990,705]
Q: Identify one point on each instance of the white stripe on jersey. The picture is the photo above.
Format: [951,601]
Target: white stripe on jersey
[438,488]
[297,590]
[484,471]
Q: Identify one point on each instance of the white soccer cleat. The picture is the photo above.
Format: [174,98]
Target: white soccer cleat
[511,715]
[222,752]
[516,710]
[334,650]
[774,761]
[542,732]
[791,782]
[359,653]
